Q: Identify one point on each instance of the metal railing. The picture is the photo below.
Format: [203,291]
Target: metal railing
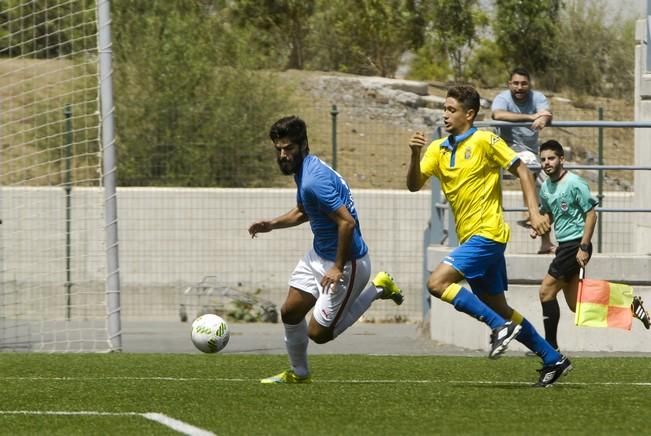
[444,232]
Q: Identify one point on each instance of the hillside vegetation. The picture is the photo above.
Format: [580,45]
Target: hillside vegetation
[373,130]
[197,83]
[373,123]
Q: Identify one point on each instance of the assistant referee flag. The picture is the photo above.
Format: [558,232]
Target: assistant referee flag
[604,304]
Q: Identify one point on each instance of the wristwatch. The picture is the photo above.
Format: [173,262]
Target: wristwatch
[584,247]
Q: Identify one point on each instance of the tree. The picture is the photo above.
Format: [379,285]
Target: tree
[594,56]
[453,31]
[276,25]
[527,32]
[485,65]
[186,116]
[363,37]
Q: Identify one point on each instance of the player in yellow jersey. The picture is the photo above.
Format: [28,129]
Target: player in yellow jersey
[468,163]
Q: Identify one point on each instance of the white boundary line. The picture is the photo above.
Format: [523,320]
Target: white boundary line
[177,425]
[352,381]
[160,418]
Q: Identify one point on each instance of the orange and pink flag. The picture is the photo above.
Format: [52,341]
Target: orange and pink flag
[603,304]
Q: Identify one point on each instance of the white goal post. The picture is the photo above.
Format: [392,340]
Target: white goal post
[59,269]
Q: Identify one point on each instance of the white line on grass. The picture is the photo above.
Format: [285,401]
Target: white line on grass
[478,382]
[352,381]
[177,425]
[160,418]
[182,379]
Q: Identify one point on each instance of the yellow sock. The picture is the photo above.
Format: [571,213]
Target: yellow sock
[516,317]
[450,292]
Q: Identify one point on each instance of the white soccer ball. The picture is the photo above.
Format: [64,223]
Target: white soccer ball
[210,333]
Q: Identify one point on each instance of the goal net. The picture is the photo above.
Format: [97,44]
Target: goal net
[52,235]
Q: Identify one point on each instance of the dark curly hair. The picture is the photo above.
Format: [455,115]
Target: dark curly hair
[292,128]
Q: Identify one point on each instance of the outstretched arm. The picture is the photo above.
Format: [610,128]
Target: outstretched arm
[540,223]
[290,219]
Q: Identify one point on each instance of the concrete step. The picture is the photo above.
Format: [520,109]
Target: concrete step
[455,328]
[458,329]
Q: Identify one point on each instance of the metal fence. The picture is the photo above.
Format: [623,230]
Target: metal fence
[202,232]
[619,204]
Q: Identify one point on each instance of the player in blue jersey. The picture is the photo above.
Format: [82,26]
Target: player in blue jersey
[566,198]
[330,280]
[467,163]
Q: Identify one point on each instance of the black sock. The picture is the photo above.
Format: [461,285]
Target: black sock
[551,316]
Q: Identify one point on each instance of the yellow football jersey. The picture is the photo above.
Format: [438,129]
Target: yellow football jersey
[469,172]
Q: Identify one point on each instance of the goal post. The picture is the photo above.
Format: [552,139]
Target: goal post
[114,323]
[59,270]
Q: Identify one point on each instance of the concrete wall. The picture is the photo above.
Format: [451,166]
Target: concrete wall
[448,326]
[171,238]
[451,327]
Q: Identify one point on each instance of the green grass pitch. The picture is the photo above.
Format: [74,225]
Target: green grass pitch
[351,395]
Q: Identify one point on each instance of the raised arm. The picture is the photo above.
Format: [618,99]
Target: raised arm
[415,179]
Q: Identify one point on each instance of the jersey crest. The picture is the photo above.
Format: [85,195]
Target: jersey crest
[564,206]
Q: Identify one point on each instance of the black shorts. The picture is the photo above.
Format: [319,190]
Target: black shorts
[564,265]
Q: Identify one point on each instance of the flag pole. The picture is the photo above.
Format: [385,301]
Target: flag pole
[577,309]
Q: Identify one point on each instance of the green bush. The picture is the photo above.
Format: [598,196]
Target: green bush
[186,114]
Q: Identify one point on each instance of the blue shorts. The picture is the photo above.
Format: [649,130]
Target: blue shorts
[481,262]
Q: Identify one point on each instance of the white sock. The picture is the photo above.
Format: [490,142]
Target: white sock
[357,309]
[296,341]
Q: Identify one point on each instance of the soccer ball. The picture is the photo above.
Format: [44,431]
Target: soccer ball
[210,333]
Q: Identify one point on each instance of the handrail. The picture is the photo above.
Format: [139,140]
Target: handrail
[595,123]
[446,206]
[597,209]
[599,124]
[552,124]
[597,167]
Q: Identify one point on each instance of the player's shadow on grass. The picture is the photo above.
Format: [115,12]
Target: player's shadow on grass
[512,385]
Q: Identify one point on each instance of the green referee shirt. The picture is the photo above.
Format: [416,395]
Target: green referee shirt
[568,199]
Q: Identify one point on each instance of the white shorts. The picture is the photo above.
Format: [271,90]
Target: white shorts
[331,306]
